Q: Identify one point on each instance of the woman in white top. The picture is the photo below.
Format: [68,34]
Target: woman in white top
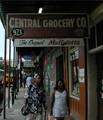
[59,104]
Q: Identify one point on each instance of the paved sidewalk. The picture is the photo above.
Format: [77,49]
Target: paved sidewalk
[14,112]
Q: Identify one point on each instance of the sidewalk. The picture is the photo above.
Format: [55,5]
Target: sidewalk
[14,112]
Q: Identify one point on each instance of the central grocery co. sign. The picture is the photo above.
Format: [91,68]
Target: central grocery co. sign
[46,25]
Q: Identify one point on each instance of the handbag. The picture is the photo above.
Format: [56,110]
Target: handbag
[25,110]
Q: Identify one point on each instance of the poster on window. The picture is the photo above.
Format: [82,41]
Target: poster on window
[81,75]
[74,66]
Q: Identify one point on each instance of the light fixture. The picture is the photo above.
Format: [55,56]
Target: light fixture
[40,10]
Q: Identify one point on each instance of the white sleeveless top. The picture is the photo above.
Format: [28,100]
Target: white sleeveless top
[60,104]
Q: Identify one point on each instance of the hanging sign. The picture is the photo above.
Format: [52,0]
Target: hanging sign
[28,63]
[46,25]
[50,42]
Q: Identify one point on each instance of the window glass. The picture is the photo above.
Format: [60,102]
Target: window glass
[74,71]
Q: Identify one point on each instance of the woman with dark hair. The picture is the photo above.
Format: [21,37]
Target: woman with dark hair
[59,104]
[57,86]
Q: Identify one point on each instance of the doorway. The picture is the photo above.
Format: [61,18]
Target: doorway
[59,68]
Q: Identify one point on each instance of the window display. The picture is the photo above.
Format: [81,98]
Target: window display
[74,69]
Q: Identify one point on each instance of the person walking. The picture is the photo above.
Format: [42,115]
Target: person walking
[24,76]
[28,80]
[1,94]
[36,99]
[59,103]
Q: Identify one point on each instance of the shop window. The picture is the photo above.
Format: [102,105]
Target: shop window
[92,40]
[74,71]
[99,29]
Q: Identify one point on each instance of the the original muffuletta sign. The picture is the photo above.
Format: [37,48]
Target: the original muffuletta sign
[51,42]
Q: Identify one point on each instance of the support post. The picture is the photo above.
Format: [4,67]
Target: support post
[4,83]
[9,74]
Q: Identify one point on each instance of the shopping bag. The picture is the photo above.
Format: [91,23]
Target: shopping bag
[50,117]
[67,117]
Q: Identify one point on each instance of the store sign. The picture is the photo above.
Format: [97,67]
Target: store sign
[28,63]
[48,42]
[46,25]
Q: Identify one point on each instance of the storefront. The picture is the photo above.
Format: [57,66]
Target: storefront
[95,65]
[65,32]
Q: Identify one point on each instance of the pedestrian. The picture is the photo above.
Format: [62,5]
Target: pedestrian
[28,80]
[59,103]
[35,99]
[1,94]
[24,76]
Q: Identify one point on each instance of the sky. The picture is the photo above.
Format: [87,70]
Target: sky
[2,41]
